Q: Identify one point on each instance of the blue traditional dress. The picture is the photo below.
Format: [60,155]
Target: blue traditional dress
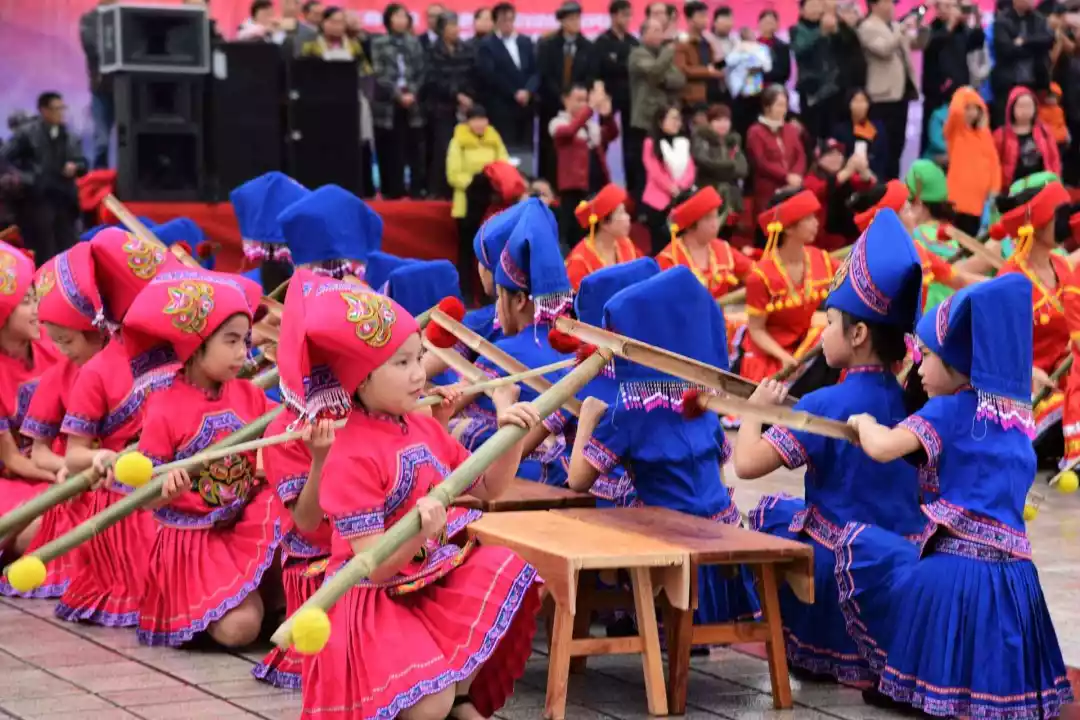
[673,462]
[957,625]
[614,488]
[532,263]
[332,232]
[880,284]
[419,286]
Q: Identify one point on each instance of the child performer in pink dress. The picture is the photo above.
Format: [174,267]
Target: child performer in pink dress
[218,525]
[104,415]
[23,358]
[68,302]
[438,629]
[294,469]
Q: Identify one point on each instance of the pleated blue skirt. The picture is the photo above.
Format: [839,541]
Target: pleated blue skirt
[816,635]
[962,631]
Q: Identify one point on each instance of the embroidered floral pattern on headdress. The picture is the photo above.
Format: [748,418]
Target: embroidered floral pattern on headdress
[45,283]
[372,315]
[9,275]
[143,258]
[942,327]
[190,305]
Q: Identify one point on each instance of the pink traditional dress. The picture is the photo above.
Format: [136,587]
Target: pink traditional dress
[106,405]
[304,555]
[214,542]
[72,303]
[18,376]
[452,611]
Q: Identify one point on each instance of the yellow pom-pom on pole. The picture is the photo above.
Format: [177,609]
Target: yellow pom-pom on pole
[1030,512]
[26,574]
[1068,482]
[310,630]
[133,469]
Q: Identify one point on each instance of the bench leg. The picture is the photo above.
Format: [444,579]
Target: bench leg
[778,667]
[583,617]
[559,664]
[679,630]
[651,661]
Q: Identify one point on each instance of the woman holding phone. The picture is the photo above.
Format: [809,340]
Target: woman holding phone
[862,136]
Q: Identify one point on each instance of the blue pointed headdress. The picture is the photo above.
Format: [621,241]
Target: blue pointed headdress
[88,235]
[257,204]
[420,285]
[379,267]
[490,239]
[331,231]
[985,331]
[532,263]
[600,286]
[673,311]
[881,279]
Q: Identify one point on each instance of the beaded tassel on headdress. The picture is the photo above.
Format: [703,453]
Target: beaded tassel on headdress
[1006,412]
[593,219]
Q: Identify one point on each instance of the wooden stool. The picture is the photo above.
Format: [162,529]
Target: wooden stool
[529,495]
[560,547]
[711,543]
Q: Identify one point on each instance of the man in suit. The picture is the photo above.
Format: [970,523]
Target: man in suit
[429,37]
[890,80]
[45,159]
[506,64]
[612,49]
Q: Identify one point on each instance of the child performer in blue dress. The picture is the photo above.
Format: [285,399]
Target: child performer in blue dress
[533,290]
[874,302]
[257,204]
[488,244]
[419,286]
[614,488]
[671,461]
[331,232]
[958,626]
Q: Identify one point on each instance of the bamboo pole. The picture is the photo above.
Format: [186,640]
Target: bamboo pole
[739,294]
[504,360]
[364,563]
[785,373]
[455,362]
[81,482]
[776,415]
[1055,377]
[139,497]
[975,248]
[660,359]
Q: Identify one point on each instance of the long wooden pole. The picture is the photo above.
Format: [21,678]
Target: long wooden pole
[776,415]
[80,482]
[504,360]
[364,563]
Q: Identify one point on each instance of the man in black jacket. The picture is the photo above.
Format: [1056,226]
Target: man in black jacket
[1022,43]
[612,50]
[506,66]
[954,33]
[563,59]
[46,159]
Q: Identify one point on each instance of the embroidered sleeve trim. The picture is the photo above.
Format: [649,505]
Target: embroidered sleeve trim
[39,430]
[290,487]
[601,458]
[791,450]
[361,524]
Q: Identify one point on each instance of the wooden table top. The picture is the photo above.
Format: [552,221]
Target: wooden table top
[708,542]
[529,495]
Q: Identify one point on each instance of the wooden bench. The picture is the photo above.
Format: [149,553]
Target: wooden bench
[529,495]
[564,550]
[711,543]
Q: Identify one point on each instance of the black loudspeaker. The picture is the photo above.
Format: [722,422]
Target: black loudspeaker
[244,129]
[159,123]
[323,116]
[154,38]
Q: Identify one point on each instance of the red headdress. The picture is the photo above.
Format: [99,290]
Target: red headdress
[67,291]
[590,213]
[1021,222]
[895,197]
[16,279]
[784,215]
[179,310]
[703,202]
[123,266]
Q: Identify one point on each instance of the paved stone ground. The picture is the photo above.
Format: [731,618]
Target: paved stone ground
[55,670]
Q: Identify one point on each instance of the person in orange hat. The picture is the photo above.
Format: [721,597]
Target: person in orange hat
[104,415]
[608,243]
[67,310]
[695,225]
[23,359]
[1033,223]
[784,290]
[1053,116]
[451,620]
[215,537]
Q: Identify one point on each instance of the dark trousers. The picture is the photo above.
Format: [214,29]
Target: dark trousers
[820,119]
[397,147]
[514,124]
[569,229]
[633,145]
[659,229]
[744,112]
[893,119]
[48,227]
[440,131]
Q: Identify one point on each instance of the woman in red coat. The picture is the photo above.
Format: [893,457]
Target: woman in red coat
[775,149]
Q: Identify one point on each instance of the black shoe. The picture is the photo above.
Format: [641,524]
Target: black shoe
[622,627]
[804,675]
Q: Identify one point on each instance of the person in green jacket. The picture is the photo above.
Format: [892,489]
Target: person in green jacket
[928,207]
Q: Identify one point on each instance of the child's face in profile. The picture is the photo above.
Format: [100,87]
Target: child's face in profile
[937,378]
[837,344]
[973,114]
[222,357]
